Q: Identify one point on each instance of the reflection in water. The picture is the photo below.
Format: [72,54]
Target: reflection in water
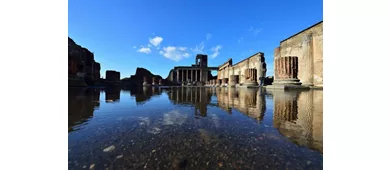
[81,105]
[234,129]
[112,94]
[298,116]
[248,101]
[196,96]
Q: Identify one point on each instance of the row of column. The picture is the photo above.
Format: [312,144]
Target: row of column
[187,72]
[286,67]
[251,74]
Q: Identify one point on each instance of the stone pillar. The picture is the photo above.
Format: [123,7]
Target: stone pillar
[191,79]
[233,80]
[196,75]
[286,70]
[177,76]
[182,76]
[160,82]
[145,81]
[188,79]
[250,77]
[201,75]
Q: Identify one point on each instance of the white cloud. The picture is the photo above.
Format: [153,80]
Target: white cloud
[149,45]
[134,46]
[175,53]
[215,51]
[199,48]
[156,41]
[208,36]
[257,31]
[240,40]
[144,50]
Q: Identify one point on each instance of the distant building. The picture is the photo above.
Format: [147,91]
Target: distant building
[197,73]
[244,72]
[112,76]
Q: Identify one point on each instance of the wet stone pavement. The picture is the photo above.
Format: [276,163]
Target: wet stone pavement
[194,128]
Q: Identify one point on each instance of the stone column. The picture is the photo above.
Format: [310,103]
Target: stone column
[192,75]
[196,75]
[182,76]
[187,76]
[177,76]
[200,75]
[286,70]
[160,82]
[250,77]
[233,80]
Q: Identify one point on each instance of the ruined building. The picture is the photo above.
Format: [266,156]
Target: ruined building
[196,74]
[243,73]
[112,76]
[298,59]
[82,68]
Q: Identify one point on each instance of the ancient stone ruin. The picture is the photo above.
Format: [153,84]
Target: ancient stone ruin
[306,47]
[196,74]
[83,70]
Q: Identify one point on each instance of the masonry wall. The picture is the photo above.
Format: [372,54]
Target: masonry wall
[307,46]
[253,61]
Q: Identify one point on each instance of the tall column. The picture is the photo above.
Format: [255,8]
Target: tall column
[177,75]
[182,75]
[187,75]
[196,75]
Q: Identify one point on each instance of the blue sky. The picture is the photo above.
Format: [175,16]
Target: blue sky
[159,35]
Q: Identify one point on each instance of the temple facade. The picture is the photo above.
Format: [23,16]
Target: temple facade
[196,74]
